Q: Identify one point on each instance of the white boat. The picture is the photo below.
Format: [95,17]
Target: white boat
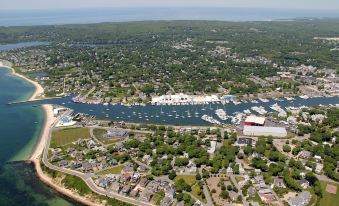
[247,111]
[221,114]
[210,119]
[304,97]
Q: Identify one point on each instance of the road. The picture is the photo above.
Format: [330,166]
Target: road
[87,178]
[234,181]
[207,196]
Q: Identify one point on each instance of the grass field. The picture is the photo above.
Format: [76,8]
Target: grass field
[196,191]
[98,133]
[189,179]
[113,170]
[69,135]
[329,199]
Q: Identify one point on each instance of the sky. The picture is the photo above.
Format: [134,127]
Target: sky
[71,4]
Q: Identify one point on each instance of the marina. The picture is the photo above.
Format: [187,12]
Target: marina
[187,114]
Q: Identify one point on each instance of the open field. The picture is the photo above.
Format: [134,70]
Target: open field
[113,170]
[68,135]
[328,198]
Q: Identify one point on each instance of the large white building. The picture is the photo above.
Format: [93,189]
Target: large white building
[264,131]
[184,98]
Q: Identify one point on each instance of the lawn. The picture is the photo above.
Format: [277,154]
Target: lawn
[157,197]
[113,170]
[68,135]
[189,179]
[98,133]
[197,192]
[328,198]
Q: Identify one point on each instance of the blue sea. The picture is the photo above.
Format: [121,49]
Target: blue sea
[84,16]
[20,128]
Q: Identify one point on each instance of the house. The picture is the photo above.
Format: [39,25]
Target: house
[170,192]
[304,183]
[134,193]
[63,163]
[166,201]
[251,191]
[116,133]
[244,141]
[305,154]
[318,168]
[115,187]
[229,170]
[87,167]
[126,189]
[278,182]
[266,196]
[102,182]
[75,165]
[301,199]
[146,196]
[317,158]
[128,169]
[125,178]
[143,182]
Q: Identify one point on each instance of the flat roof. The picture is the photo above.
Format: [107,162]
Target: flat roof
[258,129]
[255,119]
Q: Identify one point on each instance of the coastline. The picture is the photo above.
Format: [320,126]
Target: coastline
[38,91]
[49,181]
[49,119]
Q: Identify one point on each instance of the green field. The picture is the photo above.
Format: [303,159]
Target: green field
[329,199]
[195,192]
[113,170]
[189,179]
[69,135]
[98,133]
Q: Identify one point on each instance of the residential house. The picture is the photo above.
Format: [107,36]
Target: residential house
[146,196]
[115,187]
[166,201]
[126,189]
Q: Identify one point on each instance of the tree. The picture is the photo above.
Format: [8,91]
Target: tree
[287,148]
[172,175]
[224,194]
[181,185]
[198,176]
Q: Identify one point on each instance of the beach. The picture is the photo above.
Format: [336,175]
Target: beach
[39,90]
[36,154]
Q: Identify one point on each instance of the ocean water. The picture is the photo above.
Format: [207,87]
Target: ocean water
[20,127]
[96,15]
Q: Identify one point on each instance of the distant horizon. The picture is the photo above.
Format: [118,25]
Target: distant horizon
[131,14]
[169,7]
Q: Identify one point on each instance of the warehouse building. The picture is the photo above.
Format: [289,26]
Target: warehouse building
[264,131]
[255,121]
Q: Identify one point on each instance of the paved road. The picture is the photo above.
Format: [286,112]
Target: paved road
[87,178]
[207,196]
[325,178]
[234,181]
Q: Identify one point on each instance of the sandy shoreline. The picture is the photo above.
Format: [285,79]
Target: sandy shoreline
[39,90]
[49,120]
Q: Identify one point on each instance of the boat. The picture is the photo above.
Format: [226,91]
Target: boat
[210,119]
[247,111]
[304,97]
[221,114]
[105,104]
